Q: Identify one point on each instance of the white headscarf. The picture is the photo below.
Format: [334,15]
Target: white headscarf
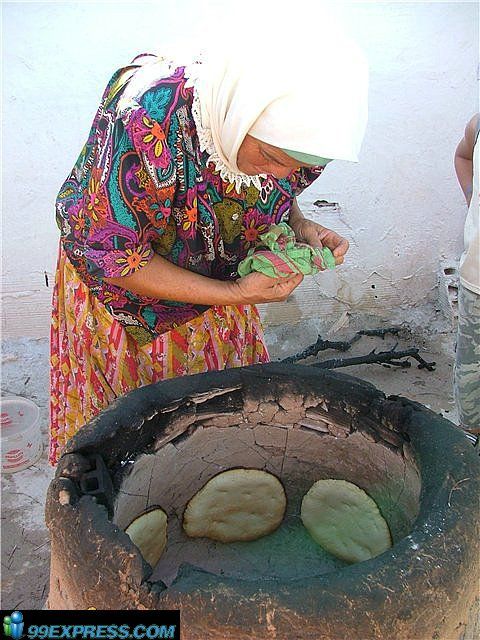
[295,83]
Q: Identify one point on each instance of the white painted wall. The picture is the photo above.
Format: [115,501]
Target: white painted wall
[400,206]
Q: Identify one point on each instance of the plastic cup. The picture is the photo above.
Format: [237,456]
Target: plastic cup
[20,433]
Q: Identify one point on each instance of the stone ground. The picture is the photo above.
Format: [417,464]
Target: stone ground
[25,543]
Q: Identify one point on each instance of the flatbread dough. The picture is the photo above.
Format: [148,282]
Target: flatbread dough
[239,504]
[345,521]
[149,533]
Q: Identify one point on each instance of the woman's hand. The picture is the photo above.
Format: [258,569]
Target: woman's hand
[257,288]
[317,236]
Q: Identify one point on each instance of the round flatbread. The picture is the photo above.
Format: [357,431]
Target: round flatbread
[345,521]
[239,504]
[148,532]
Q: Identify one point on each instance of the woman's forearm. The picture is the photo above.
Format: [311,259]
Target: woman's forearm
[166,281]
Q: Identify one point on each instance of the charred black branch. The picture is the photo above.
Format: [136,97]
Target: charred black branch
[391,357]
[321,345]
[343,345]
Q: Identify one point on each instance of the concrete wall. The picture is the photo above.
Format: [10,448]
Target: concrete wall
[400,206]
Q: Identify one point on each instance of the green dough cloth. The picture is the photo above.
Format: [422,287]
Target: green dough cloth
[279,255]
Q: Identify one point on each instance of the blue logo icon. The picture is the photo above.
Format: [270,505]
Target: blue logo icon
[13,625]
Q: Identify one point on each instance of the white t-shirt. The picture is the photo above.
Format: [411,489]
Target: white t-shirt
[470,260]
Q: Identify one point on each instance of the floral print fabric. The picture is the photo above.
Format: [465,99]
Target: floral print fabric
[142,186]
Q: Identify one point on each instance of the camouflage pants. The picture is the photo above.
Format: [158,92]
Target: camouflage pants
[467,361]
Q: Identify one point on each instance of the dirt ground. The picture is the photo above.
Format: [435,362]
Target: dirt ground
[25,542]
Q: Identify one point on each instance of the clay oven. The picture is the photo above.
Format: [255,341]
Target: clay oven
[160,444]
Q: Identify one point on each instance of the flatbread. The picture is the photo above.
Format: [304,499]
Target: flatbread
[239,504]
[148,532]
[345,521]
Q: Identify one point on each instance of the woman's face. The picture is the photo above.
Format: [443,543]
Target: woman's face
[255,156]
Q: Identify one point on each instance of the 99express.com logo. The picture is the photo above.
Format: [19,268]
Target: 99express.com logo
[91,624]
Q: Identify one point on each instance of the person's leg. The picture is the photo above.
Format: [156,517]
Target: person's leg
[467,362]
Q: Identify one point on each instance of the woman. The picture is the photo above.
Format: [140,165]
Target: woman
[182,171]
